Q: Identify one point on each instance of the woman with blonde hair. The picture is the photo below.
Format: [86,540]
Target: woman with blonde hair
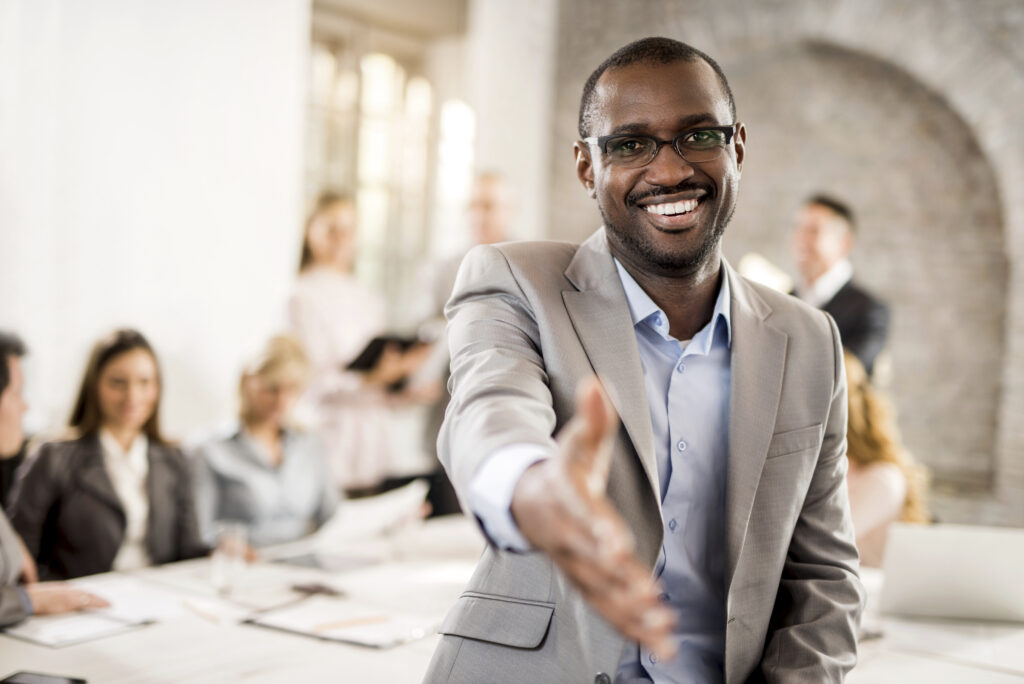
[268,475]
[885,483]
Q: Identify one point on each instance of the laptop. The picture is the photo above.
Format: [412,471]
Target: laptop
[954,571]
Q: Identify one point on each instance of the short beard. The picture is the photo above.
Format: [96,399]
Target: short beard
[638,243]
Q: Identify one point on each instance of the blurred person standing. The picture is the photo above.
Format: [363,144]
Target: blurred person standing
[885,483]
[16,564]
[490,210]
[822,241]
[118,496]
[335,316]
[268,475]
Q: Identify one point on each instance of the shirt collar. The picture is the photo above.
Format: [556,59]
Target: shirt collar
[828,284]
[642,309]
[255,447]
[136,454]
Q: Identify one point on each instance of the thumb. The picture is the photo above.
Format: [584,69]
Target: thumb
[596,425]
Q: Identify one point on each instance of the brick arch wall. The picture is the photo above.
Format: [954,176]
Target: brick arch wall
[967,54]
[930,237]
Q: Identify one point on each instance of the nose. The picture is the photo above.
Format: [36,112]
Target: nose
[667,169]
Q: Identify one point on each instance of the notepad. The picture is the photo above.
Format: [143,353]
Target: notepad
[57,631]
[349,622]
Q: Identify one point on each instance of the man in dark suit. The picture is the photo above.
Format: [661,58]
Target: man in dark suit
[824,235]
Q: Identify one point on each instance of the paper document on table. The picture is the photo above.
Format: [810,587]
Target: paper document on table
[74,628]
[131,599]
[370,516]
[356,519]
[348,621]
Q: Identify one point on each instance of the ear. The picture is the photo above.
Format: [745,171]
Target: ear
[584,167]
[740,143]
[848,239]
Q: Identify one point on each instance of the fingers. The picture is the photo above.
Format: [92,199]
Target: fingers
[622,591]
[588,439]
[599,560]
[84,600]
[631,606]
[561,508]
[49,598]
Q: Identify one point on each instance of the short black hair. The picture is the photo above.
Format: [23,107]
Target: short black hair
[837,207]
[11,346]
[648,51]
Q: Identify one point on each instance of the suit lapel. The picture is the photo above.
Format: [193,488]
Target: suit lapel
[92,474]
[758,360]
[600,315]
[157,481]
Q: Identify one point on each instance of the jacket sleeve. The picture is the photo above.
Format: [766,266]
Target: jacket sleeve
[12,606]
[868,340]
[204,490]
[812,636]
[190,543]
[36,491]
[499,387]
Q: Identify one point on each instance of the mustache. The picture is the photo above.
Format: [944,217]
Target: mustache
[661,191]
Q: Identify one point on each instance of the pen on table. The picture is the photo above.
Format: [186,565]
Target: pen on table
[206,615]
[354,622]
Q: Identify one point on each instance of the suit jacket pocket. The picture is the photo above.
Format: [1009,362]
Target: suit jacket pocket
[499,619]
[792,441]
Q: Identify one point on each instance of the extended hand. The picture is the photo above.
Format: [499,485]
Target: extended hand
[49,598]
[561,508]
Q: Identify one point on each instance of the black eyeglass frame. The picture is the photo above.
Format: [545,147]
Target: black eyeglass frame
[601,142]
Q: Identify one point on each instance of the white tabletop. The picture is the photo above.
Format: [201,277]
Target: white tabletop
[205,643]
[423,569]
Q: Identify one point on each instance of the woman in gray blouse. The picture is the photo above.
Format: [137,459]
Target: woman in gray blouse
[267,475]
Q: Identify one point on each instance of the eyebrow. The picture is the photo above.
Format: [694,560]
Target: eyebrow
[684,123]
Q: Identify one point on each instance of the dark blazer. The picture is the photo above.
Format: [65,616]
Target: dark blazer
[67,512]
[863,322]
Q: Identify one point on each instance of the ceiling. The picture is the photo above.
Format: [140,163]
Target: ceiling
[422,18]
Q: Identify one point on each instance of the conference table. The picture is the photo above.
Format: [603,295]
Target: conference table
[199,634]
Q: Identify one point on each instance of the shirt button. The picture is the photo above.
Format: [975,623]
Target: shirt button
[653,658]
[672,524]
[681,367]
[681,445]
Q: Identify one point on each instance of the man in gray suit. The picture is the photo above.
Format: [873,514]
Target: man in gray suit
[708,538]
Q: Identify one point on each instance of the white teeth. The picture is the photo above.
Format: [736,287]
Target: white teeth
[672,208]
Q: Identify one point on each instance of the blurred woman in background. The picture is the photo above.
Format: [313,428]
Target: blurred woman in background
[117,496]
[267,475]
[334,316]
[885,483]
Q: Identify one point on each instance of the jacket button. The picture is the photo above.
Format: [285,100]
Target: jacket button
[602,678]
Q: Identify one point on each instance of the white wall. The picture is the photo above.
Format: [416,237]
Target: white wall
[510,61]
[150,175]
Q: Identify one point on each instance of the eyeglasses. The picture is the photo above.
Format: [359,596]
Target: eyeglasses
[635,150]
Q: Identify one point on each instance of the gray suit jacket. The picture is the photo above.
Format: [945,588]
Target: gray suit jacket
[12,610]
[527,322]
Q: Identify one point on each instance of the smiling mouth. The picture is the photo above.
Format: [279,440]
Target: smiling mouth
[679,208]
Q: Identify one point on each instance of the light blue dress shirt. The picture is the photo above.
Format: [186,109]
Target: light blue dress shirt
[234,481]
[688,395]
